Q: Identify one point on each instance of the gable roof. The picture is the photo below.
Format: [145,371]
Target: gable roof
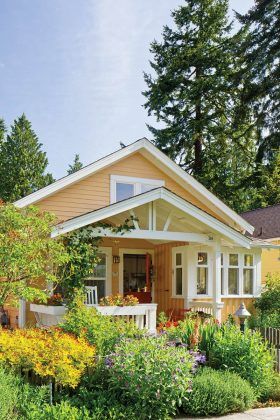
[158,158]
[265,220]
[147,197]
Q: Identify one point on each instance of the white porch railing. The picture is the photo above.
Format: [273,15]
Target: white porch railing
[144,314]
[210,308]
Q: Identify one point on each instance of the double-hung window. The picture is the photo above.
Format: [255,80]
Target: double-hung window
[233,274]
[223,291]
[123,187]
[202,273]
[248,274]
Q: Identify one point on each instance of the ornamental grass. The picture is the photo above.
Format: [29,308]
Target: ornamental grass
[50,354]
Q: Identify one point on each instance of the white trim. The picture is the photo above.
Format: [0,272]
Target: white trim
[185,180]
[159,193]
[179,250]
[22,313]
[136,251]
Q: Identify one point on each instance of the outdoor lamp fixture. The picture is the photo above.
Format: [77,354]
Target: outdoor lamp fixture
[242,314]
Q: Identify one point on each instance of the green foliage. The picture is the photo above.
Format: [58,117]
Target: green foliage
[8,395]
[194,95]
[268,304]
[245,354]
[27,253]
[104,332]
[217,392]
[61,411]
[22,162]
[150,375]
[184,332]
[76,166]
[273,392]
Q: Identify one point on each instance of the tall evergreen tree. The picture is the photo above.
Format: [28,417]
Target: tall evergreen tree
[261,75]
[2,131]
[22,162]
[76,166]
[192,94]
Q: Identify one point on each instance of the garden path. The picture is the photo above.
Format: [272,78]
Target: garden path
[271,413]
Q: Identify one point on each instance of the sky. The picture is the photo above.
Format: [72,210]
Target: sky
[75,68]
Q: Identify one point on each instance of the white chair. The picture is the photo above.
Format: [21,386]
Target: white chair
[91,296]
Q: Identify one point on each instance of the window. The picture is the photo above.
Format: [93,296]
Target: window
[233,275]
[202,273]
[178,274]
[222,275]
[248,274]
[123,187]
[99,276]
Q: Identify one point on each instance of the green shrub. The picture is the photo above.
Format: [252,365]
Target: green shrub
[268,304]
[150,375]
[9,391]
[62,411]
[246,354]
[104,332]
[273,393]
[217,392]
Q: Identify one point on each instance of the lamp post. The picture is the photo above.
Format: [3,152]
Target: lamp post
[242,314]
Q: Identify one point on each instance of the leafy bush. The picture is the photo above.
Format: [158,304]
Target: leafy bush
[268,304]
[119,300]
[194,332]
[104,332]
[217,392]
[150,375]
[273,393]
[246,354]
[8,395]
[61,411]
[50,354]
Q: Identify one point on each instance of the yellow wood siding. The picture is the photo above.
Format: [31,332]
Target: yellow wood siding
[270,262]
[94,192]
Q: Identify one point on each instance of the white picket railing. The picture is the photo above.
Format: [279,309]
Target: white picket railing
[211,308]
[144,314]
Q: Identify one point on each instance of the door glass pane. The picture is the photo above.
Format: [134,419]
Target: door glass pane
[222,258]
[179,277]
[202,258]
[233,281]
[134,272]
[124,191]
[233,259]
[178,259]
[100,268]
[248,281]
[202,279]
[248,260]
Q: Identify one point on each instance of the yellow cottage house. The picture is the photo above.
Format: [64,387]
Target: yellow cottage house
[187,249]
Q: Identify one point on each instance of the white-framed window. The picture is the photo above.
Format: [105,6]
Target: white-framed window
[233,274]
[248,274]
[179,270]
[202,273]
[123,187]
[223,288]
[101,276]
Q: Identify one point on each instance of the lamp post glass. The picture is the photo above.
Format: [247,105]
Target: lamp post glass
[242,314]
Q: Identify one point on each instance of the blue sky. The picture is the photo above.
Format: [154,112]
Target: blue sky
[75,68]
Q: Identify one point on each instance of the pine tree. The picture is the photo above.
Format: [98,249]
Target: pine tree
[2,131]
[261,75]
[194,95]
[76,166]
[23,163]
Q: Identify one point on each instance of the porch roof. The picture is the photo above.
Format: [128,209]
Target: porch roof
[159,215]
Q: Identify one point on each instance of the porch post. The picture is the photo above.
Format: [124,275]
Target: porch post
[216,274]
[22,313]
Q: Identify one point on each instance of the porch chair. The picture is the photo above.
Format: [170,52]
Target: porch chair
[91,298]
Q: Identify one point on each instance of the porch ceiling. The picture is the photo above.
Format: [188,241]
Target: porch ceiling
[159,215]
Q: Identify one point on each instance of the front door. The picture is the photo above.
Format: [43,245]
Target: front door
[137,276]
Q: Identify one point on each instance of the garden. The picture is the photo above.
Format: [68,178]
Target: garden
[102,367]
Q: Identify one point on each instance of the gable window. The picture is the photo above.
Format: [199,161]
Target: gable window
[123,187]
[202,273]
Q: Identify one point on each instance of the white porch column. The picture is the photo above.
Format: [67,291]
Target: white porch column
[22,313]
[216,274]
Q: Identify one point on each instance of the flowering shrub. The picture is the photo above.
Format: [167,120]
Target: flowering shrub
[119,300]
[53,300]
[151,375]
[101,331]
[50,354]
[196,333]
